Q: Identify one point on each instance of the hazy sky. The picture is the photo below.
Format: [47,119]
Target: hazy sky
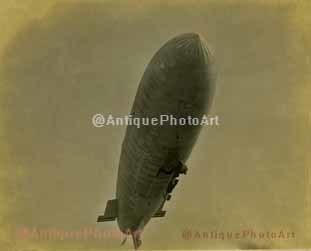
[64,61]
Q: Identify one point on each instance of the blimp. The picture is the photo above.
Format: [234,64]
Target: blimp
[179,82]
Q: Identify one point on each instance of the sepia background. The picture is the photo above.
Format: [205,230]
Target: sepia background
[63,61]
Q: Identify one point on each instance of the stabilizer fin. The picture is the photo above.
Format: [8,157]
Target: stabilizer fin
[136,239]
[160,212]
[111,211]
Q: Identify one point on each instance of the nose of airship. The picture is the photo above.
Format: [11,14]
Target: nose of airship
[190,47]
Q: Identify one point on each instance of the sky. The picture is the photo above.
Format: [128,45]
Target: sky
[64,61]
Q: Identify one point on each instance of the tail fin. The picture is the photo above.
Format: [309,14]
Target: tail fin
[160,212]
[124,240]
[111,211]
[136,239]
